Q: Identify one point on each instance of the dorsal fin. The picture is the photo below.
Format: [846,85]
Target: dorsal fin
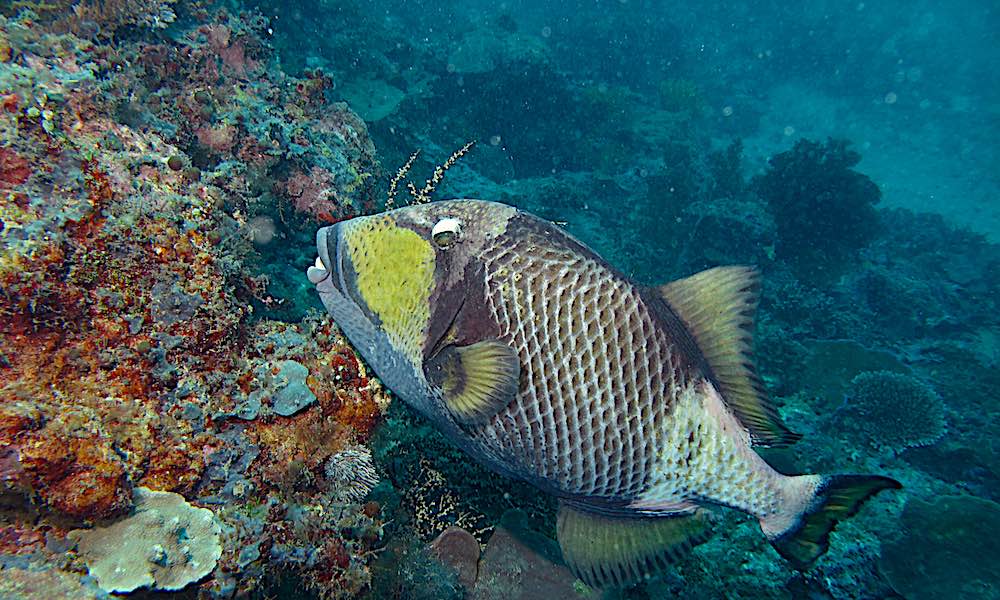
[718,306]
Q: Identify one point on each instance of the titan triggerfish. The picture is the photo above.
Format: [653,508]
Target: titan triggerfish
[637,407]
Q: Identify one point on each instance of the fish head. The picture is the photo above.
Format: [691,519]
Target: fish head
[406,283]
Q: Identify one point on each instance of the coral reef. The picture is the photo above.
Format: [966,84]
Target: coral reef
[134,352]
[165,544]
[97,18]
[892,411]
[164,165]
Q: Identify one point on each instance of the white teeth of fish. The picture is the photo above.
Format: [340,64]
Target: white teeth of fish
[317,272]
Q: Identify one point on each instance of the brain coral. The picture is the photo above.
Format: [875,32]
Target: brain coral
[945,549]
[893,411]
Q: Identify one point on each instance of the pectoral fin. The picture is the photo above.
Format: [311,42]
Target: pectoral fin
[477,381]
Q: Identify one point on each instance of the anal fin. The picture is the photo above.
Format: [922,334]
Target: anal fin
[609,550]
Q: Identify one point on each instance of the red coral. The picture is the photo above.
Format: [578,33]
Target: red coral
[14,169]
[20,540]
[11,103]
[83,478]
[314,194]
[16,420]
[220,138]
[359,411]
[232,53]
[174,469]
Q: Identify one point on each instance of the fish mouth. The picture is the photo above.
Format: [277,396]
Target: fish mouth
[331,271]
[320,270]
[334,278]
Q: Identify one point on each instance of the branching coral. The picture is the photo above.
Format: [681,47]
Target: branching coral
[893,411]
[823,208]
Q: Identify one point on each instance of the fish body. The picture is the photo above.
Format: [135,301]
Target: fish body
[636,407]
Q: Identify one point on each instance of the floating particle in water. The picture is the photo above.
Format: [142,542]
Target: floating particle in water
[727,111]
[890,98]
[352,473]
[546,31]
[261,230]
[495,140]
[789,130]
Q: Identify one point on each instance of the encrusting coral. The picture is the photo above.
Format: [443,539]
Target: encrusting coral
[165,544]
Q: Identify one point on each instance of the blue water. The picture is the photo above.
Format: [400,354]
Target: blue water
[164,166]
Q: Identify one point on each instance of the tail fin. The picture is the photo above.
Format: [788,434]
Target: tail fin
[836,498]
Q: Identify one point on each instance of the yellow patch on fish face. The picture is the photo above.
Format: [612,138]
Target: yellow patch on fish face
[395,277]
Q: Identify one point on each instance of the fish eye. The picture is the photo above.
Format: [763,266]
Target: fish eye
[446,232]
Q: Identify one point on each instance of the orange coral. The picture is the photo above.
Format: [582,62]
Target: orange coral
[79,477]
[301,444]
[358,411]
[345,393]
[174,469]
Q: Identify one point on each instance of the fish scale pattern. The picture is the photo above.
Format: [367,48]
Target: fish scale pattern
[597,372]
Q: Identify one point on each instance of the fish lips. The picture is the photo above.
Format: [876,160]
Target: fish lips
[333,276]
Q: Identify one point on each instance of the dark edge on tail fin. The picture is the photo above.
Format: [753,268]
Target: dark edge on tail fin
[838,497]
